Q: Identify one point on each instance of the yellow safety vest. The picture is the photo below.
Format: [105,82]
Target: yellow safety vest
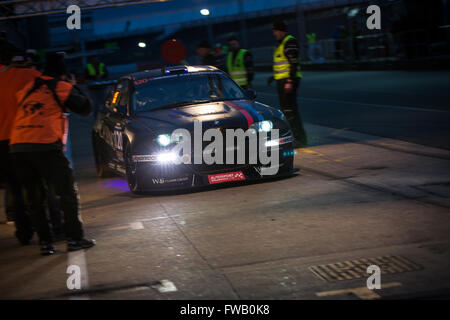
[311,38]
[236,68]
[281,66]
[93,72]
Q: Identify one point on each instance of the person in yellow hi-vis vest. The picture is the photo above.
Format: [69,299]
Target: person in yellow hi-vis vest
[239,63]
[286,71]
[96,70]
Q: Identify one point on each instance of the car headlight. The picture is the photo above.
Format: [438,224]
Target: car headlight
[265,126]
[163,140]
[167,157]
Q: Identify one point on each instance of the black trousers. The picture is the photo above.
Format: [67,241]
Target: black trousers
[38,170]
[289,106]
[24,230]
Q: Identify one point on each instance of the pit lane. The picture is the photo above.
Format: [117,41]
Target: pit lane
[356,196]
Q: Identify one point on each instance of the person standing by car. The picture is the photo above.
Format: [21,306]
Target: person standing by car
[286,71]
[239,63]
[96,71]
[13,77]
[37,139]
[208,56]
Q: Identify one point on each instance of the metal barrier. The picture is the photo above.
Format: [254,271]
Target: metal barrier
[372,47]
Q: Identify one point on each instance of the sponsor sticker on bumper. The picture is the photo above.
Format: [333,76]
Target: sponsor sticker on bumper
[163,180]
[226,177]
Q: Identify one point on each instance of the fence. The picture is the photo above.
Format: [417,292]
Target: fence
[363,48]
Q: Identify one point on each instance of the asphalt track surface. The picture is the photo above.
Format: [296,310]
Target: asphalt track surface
[374,183]
[409,106]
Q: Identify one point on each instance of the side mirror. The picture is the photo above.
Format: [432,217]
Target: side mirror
[121,110]
[114,108]
[251,94]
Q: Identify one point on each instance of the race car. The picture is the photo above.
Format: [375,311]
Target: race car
[138,128]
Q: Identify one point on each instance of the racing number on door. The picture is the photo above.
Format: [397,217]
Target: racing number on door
[118,143]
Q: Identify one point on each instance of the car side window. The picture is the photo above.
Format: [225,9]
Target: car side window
[229,88]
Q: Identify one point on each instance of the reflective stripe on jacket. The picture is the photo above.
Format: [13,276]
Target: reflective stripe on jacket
[281,65]
[40,117]
[236,68]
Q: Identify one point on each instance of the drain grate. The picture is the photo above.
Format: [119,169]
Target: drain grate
[355,269]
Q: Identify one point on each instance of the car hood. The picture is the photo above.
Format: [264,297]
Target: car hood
[224,114]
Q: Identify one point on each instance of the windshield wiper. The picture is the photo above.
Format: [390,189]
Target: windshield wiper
[179,104]
[225,99]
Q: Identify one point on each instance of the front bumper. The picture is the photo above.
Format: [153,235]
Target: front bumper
[154,176]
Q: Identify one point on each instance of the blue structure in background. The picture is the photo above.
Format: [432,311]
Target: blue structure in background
[170,16]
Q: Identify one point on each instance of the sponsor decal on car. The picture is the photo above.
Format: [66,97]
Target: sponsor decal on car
[118,142]
[163,180]
[226,177]
[144,158]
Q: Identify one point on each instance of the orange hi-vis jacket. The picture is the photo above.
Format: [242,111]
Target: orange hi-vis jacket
[11,81]
[41,117]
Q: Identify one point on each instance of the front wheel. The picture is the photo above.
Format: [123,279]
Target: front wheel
[131,172]
[101,167]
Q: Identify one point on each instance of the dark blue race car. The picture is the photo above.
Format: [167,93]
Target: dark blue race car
[132,134]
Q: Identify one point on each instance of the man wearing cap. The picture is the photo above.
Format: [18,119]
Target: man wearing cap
[207,55]
[286,71]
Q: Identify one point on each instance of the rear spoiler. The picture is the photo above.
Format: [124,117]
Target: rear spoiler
[100,84]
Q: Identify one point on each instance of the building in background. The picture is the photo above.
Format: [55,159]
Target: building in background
[130,37]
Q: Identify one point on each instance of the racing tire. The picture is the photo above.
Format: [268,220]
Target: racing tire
[131,177]
[101,167]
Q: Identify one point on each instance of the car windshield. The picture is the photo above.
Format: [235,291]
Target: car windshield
[177,90]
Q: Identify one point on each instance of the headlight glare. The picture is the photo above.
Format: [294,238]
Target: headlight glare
[163,140]
[265,126]
[167,157]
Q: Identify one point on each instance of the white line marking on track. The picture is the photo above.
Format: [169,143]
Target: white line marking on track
[165,286]
[158,218]
[363,293]
[121,227]
[136,225]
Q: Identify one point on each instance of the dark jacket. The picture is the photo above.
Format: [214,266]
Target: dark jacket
[211,59]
